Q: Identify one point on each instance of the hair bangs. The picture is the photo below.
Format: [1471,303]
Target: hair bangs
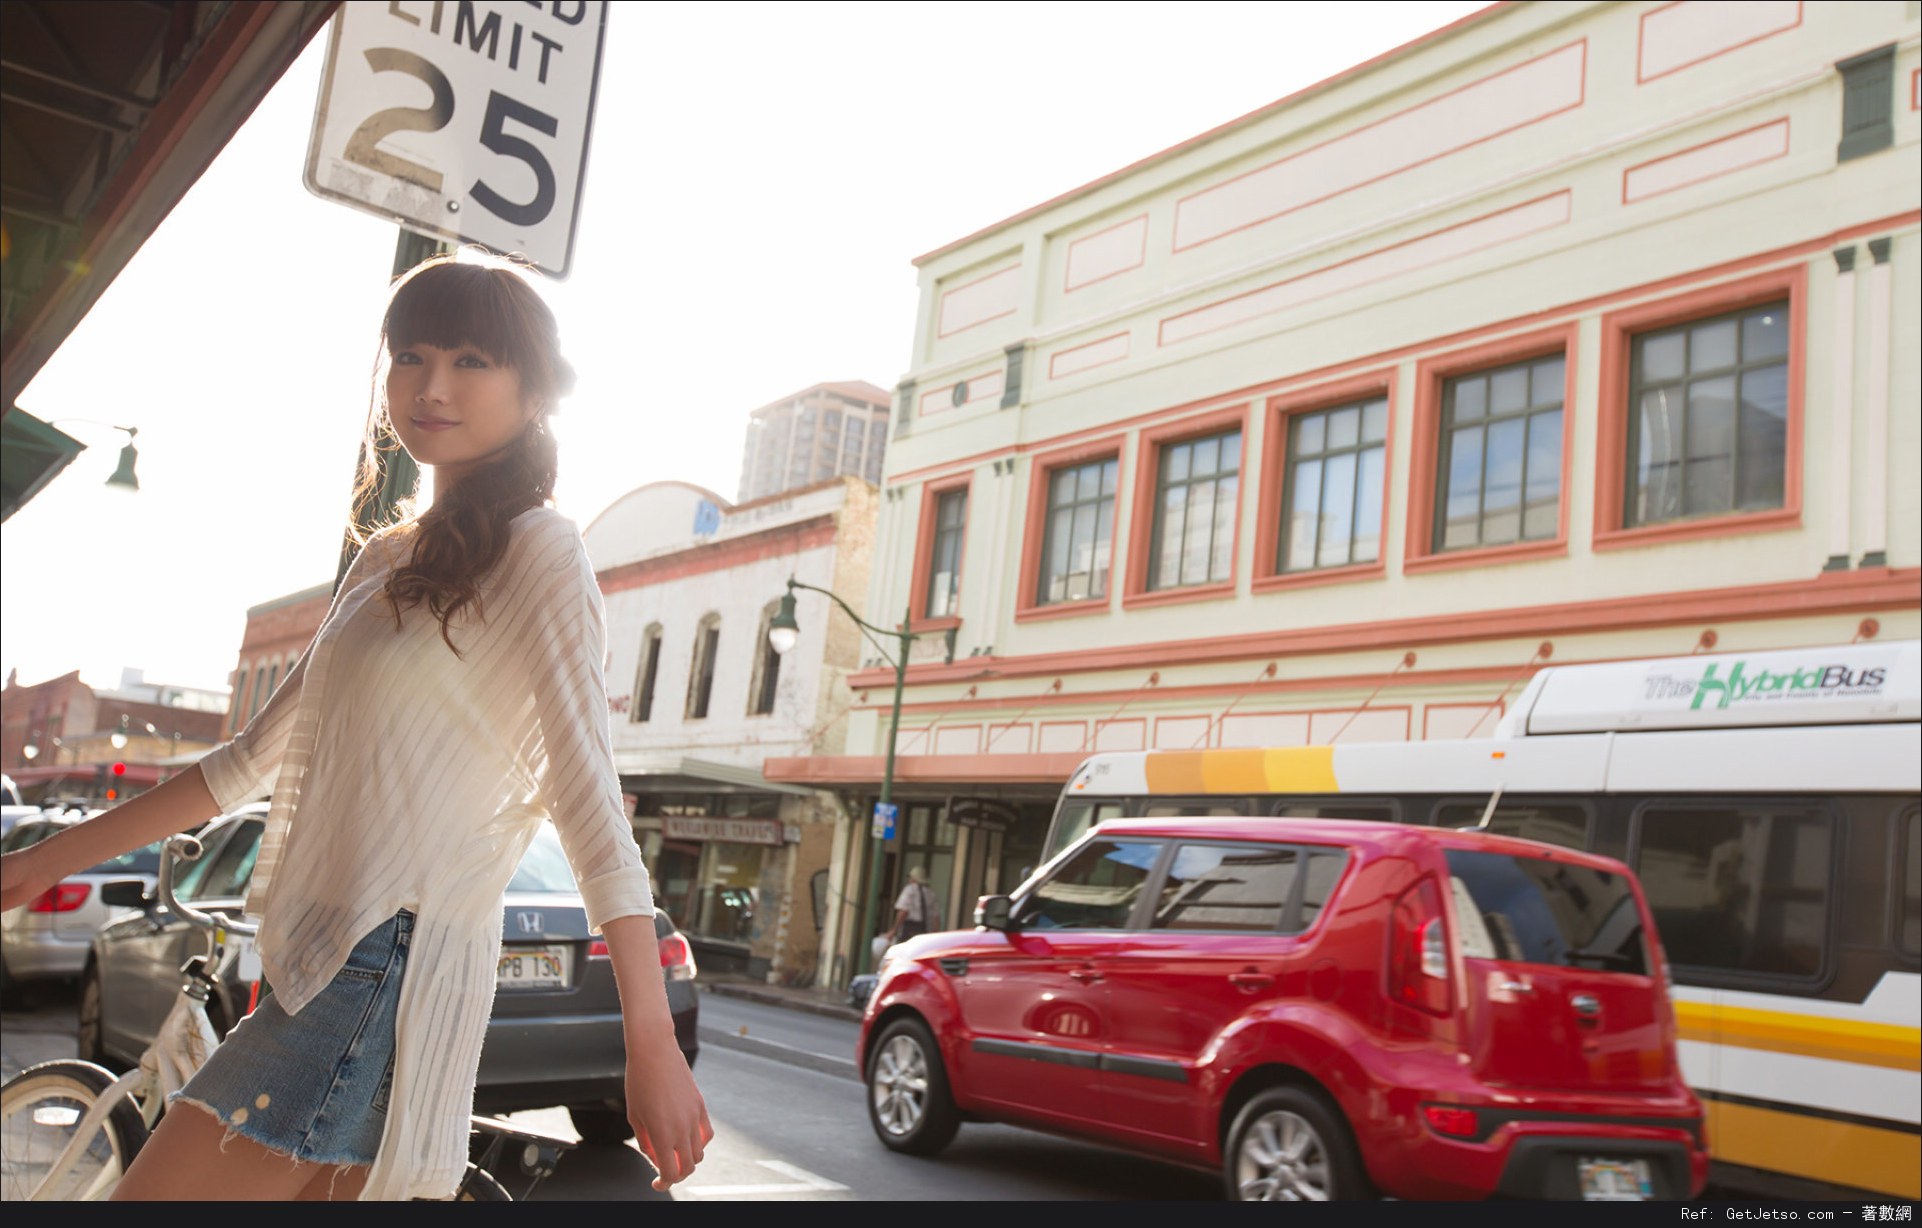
[451,305]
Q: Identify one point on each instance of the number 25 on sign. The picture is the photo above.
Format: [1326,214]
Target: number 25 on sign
[464,120]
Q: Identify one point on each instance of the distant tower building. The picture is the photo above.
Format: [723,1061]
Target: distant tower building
[825,432]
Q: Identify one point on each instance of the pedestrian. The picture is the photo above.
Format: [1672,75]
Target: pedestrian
[916,908]
[452,701]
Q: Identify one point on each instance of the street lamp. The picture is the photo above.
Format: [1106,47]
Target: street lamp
[119,736]
[783,632]
[123,477]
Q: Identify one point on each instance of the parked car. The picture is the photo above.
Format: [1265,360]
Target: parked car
[1310,1008]
[47,939]
[555,1036]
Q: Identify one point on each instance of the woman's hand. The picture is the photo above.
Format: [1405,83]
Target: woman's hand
[663,1104]
[666,1110]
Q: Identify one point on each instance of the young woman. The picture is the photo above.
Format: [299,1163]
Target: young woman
[451,702]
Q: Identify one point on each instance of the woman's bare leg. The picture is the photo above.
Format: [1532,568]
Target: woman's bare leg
[193,1158]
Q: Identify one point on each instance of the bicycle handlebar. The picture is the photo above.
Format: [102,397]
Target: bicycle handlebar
[184,847]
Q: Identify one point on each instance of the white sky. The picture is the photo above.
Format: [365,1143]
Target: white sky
[761,176]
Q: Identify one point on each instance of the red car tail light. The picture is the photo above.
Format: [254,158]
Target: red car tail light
[597,949]
[1418,951]
[1447,1119]
[61,897]
[677,958]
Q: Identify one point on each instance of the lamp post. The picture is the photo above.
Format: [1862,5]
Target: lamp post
[782,634]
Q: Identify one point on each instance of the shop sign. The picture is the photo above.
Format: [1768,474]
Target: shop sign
[722,831]
[885,815]
[986,813]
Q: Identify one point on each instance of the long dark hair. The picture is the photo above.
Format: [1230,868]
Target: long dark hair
[448,302]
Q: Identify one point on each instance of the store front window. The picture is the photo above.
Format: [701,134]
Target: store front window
[713,850]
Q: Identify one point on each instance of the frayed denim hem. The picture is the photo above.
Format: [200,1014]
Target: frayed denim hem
[236,1127]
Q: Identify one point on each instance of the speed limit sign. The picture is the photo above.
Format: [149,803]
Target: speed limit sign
[467,121]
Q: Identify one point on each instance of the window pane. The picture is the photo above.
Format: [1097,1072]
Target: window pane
[1344,428]
[1374,422]
[1324,871]
[1368,508]
[1502,492]
[1310,430]
[1547,382]
[1195,543]
[1711,346]
[1231,452]
[1765,335]
[1464,488]
[1305,518]
[1537,911]
[1658,460]
[1218,888]
[1762,435]
[1471,399]
[1103,536]
[1711,446]
[1174,506]
[1175,462]
[1108,472]
[1337,510]
[1207,456]
[1508,390]
[1742,889]
[1548,822]
[1541,517]
[1663,357]
[1096,889]
[1220,558]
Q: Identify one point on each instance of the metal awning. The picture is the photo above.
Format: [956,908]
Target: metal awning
[665,773]
[31,455]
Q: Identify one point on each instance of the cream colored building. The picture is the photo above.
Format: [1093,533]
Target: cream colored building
[698,700]
[1570,332]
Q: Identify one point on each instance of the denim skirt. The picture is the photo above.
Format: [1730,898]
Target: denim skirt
[314,1086]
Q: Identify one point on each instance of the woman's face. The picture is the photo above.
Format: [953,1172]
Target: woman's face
[454,409]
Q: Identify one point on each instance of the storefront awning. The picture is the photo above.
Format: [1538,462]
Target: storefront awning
[830,771]
[679,773]
[31,455]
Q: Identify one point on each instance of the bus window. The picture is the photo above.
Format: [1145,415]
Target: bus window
[1169,807]
[1076,819]
[1563,823]
[1739,888]
[1374,809]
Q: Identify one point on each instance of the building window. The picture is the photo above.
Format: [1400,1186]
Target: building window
[1332,502]
[239,720]
[1196,485]
[1500,459]
[1708,417]
[767,667]
[1077,551]
[944,560]
[700,681]
[650,669]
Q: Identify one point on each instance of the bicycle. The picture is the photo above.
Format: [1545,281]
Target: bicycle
[69,1129]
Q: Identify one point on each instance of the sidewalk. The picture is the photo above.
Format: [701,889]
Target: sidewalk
[830,1002]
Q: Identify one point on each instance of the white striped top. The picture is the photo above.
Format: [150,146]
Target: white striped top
[405,776]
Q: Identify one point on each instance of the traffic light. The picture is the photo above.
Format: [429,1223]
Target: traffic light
[113,790]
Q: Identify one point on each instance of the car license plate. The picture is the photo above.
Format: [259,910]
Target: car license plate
[545,967]
[1611,1180]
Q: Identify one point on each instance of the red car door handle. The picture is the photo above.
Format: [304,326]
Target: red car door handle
[1249,982]
[1087,976]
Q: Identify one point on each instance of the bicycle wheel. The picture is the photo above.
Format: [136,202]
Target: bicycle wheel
[39,1110]
[479,1185]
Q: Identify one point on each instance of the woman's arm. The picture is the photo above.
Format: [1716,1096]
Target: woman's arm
[663,1104]
[173,806]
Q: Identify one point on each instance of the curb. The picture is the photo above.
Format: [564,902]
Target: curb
[771,997]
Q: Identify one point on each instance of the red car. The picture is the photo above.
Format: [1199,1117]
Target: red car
[1313,1008]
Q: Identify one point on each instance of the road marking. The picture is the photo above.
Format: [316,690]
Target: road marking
[800,1181]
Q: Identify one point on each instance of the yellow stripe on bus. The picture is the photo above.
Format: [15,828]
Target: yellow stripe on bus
[1287,769]
[1887,1161]
[1889,1045]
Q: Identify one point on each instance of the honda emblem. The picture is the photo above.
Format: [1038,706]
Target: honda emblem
[530,922]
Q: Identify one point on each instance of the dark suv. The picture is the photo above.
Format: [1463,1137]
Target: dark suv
[1312,1008]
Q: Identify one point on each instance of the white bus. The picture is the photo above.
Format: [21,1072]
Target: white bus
[1769,803]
